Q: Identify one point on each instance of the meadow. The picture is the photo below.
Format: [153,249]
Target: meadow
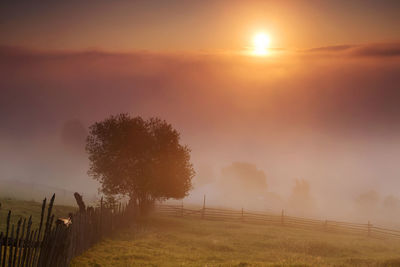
[171,241]
[168,241]
[24,209]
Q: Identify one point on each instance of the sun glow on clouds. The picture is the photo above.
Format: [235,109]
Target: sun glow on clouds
[261,42]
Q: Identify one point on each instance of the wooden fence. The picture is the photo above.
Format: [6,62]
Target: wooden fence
[277,219]
[56,243]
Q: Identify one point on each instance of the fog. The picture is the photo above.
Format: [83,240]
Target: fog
[315,132]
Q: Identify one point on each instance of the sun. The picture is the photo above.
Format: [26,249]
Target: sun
[261,43]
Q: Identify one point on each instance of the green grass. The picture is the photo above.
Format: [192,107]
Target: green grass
[21,208]
[162,241]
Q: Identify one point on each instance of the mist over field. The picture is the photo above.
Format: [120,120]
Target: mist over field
[316,132]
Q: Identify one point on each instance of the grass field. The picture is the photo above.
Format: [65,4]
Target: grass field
[21,208]
[163,241]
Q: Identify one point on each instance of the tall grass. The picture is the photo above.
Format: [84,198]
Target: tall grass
[162,241]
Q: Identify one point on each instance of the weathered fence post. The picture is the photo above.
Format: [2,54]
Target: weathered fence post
[1,244]
[282,217]
[6,239]
[38,238]
[242,218]
[21,243]
[16,242]
[11,246]
[26,242]
[326,225]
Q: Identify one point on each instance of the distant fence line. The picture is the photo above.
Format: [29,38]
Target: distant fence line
[277,219]
[55,244]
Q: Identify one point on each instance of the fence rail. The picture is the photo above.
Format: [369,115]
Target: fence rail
[278,219]
[56,243]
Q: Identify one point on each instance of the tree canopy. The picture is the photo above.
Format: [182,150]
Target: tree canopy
[138,158]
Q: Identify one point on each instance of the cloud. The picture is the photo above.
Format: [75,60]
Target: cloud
[366,50]
[330,118]
[41,90]
[333,48]
[378,50]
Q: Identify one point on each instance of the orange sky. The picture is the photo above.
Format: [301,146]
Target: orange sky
[327,112]
[195,25]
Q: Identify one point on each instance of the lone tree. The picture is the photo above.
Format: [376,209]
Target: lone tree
[141,159]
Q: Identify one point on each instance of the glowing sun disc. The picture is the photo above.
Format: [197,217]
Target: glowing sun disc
[261,43]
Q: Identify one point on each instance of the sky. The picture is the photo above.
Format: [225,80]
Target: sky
[212,26]
[321,106]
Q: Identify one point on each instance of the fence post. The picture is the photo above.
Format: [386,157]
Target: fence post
[204,207]
[369,228]
[6,239]
[242,216]
[282,217]
[326,225]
